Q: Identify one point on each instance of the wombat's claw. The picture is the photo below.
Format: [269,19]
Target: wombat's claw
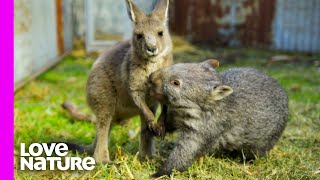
[159,174]
[155,175]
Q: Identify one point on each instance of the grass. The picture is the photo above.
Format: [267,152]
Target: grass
[40,118]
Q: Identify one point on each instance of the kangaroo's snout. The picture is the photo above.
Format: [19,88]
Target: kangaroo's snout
[152,50]
[151,45]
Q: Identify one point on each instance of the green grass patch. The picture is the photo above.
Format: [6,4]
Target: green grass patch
[40,118]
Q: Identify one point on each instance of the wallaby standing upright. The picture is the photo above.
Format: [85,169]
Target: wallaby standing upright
[241,110]
[117,85]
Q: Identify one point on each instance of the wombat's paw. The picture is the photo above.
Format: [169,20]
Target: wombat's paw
[160,173]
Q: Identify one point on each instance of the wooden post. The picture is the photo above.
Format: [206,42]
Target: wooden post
[59,21]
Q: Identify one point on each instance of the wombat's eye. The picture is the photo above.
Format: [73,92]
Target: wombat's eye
[160,33]
[175,82]
[139,36]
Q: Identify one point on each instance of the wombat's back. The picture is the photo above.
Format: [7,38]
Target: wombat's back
[261,103]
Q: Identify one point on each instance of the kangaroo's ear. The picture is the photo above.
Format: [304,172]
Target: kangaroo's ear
[161,10]
[134,12]
[220,92]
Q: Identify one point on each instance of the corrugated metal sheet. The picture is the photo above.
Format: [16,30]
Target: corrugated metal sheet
[22,39]
[226,22]
[282,24]
[297,25]
[67,24]
[35,38]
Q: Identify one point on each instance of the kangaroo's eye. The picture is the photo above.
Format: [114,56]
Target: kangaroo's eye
[139,36]
[160,33]
[175,83]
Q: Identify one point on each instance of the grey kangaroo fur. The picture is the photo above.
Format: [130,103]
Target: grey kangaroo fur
[239,110]
[117,85]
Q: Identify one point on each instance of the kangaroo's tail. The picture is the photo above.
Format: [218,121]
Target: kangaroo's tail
[76,114]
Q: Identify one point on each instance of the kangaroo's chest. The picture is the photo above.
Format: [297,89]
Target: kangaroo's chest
[152,67]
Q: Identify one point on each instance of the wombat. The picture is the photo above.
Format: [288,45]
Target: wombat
[239,110]
[117,85]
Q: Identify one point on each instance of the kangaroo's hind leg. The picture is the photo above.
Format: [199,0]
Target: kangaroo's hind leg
[102,99]
[101,151]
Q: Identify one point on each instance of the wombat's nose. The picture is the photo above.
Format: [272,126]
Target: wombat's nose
[152,50]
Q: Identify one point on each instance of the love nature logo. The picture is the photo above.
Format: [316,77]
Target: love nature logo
[33,160]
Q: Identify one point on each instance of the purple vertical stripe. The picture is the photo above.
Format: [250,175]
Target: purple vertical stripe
[6,95]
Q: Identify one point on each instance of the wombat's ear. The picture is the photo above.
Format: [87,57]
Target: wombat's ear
[161,10]
[133,11]
[212,62]
[220,92]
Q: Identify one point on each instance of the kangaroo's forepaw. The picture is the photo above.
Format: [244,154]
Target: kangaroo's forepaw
[153,128]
